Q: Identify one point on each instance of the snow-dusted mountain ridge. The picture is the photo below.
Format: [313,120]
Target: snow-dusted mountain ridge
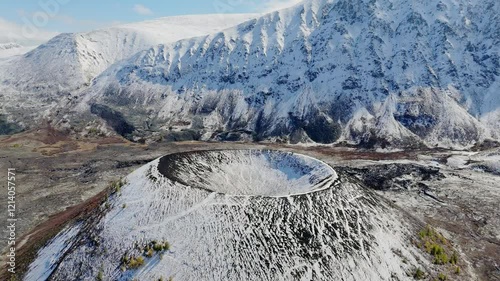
[8,46]
[363,71]
[71,60]
[12,49]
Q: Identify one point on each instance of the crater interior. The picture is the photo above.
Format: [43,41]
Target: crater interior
[248,172]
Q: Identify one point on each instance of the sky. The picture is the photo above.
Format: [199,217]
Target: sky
[32,22]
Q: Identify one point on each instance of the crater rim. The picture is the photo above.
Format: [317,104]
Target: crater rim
[315,175]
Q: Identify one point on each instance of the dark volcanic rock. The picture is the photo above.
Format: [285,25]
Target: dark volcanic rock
[392,176]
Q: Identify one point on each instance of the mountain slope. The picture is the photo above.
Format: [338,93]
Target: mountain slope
[37,86]
[361,71]
[69,61]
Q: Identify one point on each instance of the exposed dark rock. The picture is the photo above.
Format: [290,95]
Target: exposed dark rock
[391,176]
[317,127]
[237,135]
[114,119]
[184,135]
[8,128]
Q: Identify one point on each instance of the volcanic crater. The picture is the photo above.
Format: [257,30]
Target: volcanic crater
[235,215]
[267,173]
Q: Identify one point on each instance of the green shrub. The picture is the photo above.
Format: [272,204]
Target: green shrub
[158,247]
[136,262]
[161,246]
[426,232]
[436,250]
[132,262]
[429,232]
[442,277]
[100,276]
[116,186]
[441,258]
[457,270]
[454,258]
[434,244]
[419,274]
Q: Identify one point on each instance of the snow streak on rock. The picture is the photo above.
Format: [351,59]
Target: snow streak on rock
[49,256]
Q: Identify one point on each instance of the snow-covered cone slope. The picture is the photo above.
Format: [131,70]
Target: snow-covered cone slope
[337,232]
[70,61]
[326,70]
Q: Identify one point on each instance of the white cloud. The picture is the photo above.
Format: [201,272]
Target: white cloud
[26,34]
[274,5]
[142,10]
